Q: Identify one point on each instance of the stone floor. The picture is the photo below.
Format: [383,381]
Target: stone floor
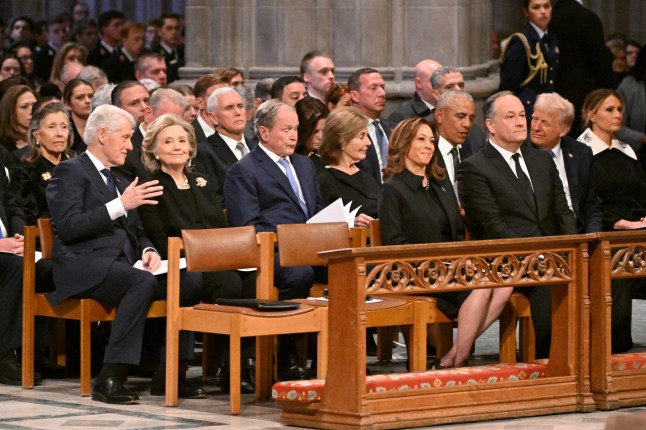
[56,404]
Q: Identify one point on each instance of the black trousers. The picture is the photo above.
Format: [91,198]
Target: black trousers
[132,291]
[10,302]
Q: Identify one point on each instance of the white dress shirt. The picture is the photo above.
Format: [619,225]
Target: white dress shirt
[507,155]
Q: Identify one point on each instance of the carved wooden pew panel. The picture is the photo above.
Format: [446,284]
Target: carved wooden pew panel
[614,255]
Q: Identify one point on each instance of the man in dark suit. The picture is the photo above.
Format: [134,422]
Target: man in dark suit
[585,62]
[551,121]
[98,239]
[227,145]
[454,116]
[368,94]
[120,66]
[529,70]
[163,101]
[57,36]
[511,190]
[424,100]
[204,87]
[170,45]
[110,24]
[271,186]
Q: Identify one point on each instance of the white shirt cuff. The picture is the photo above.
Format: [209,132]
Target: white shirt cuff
[115,209]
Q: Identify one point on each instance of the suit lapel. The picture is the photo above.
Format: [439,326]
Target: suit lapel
[503,167]
[222,150]
[308,191]
[95,176]
[272,169]
[570,163]
[450,203]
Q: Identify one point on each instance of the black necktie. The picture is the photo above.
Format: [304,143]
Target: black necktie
[525,184]
[456,161]
[128,249]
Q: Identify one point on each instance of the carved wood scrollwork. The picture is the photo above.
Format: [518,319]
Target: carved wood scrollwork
[427,275]
[631,260]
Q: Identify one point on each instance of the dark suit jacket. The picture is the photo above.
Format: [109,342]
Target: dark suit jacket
[514,68]
[87,241]
[370,164]
[98,55]
[43,60]
[215,158]
[195,208]
[406,208]
[173,63]
[585,62]
[413,108]
[134,167]
[199,133]
[258,193]
[361,189]
[578,160]
[11,214]
[118,67]
[494,201]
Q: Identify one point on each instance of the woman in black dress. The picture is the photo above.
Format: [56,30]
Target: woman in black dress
[345,143]
[621,186]
[190,201]
[78,99]
[415,208]
[49,140]
[311,120]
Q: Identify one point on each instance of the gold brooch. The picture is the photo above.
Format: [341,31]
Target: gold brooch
[46,176]
[200,182]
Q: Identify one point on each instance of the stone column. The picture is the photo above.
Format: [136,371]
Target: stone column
[268,38]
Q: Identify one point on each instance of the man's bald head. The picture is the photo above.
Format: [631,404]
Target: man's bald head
[423,72]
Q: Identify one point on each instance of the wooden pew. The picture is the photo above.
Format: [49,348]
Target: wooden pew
[559,263]
[616,380]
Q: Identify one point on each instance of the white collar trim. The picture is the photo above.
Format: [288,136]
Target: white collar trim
[597,145]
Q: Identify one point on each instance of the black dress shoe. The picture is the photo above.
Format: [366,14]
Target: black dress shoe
[291,370]
[11,370]
[184,391]
[247,376]
[111,390]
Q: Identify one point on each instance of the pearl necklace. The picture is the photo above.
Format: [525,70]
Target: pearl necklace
[183,185]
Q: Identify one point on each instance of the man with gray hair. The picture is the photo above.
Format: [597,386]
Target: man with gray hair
[227,145]
[94,76]
[270,186]
[454,116]
[162,101]
[424,100]
[99,237]
[513,190]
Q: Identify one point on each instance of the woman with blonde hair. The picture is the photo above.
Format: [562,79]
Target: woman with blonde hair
[345,142]
[190,201]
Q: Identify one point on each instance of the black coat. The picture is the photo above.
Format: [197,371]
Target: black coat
[361,189]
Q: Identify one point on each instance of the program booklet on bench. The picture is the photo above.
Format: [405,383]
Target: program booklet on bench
[260,304]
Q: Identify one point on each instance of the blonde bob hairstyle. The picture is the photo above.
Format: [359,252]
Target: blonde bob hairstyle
[401,140]
[151,144]
[341,126]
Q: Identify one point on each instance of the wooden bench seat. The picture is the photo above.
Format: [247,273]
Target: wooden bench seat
[310,391]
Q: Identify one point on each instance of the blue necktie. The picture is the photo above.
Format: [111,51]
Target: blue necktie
[128,249]
[552,154]
[382,142]
[292,181]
